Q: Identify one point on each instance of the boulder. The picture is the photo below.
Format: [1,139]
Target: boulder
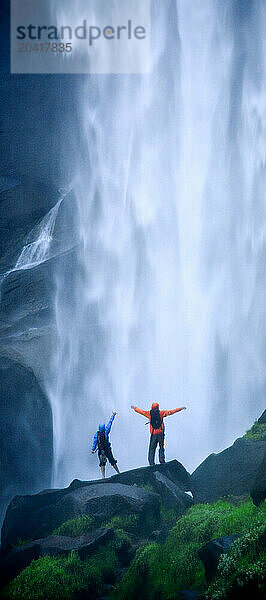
[258,490]
[173,496]
[231,472]
[211,552]
[173,470]
[20,557]
[26,432]
[33,517]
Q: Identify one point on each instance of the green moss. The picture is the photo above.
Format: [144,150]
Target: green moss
[169,516]
[257,432]
[75,527]
[65,578]
[138,525]
[204,522]
[44,578]
[163,570]
[128,523]
[121,539]
[136,581]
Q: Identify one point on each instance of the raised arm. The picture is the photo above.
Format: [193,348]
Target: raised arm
[167,413]
[145,413]
[109,425]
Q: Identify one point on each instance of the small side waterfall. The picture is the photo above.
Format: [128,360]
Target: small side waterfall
[37,251]
[163,301]
[37,243]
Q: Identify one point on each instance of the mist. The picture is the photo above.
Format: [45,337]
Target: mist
[162,298]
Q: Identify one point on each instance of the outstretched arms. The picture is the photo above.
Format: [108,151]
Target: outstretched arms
[164,413]
[167,413]
[145,413]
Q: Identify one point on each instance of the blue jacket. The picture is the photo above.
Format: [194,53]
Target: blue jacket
[106,431]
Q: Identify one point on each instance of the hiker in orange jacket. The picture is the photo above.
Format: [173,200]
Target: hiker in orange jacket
[156,417]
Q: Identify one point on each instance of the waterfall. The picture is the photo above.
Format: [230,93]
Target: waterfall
[37,251]
[163,300]
[37,243]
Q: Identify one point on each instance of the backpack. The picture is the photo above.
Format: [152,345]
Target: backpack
[156,421]
[102,441]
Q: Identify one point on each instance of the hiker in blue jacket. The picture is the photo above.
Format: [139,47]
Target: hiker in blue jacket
[101,442]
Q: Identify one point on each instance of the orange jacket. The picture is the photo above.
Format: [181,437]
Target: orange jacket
[163,413]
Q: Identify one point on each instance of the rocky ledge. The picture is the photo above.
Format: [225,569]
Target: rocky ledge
[34,516]
[149,532]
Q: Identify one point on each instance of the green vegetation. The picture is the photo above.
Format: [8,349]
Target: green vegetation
[136,524]
[75,527]
[126,523]
[169,516]
[158,570]
[243,566]
[257,432]
[65,578]
[163,570]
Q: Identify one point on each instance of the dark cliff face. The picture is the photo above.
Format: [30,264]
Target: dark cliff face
[36,160]
[26,433]
[33,114]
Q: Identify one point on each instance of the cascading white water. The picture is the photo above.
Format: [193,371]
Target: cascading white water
[37,243]
[37,251]
[164,301]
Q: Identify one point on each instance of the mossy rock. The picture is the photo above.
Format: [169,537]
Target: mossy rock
[241,572]
[163,570]
[65,578]
[158,570]
[127,523]
[76,527]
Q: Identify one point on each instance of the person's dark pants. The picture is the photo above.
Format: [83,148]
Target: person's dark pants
[156,438]
[106,454]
